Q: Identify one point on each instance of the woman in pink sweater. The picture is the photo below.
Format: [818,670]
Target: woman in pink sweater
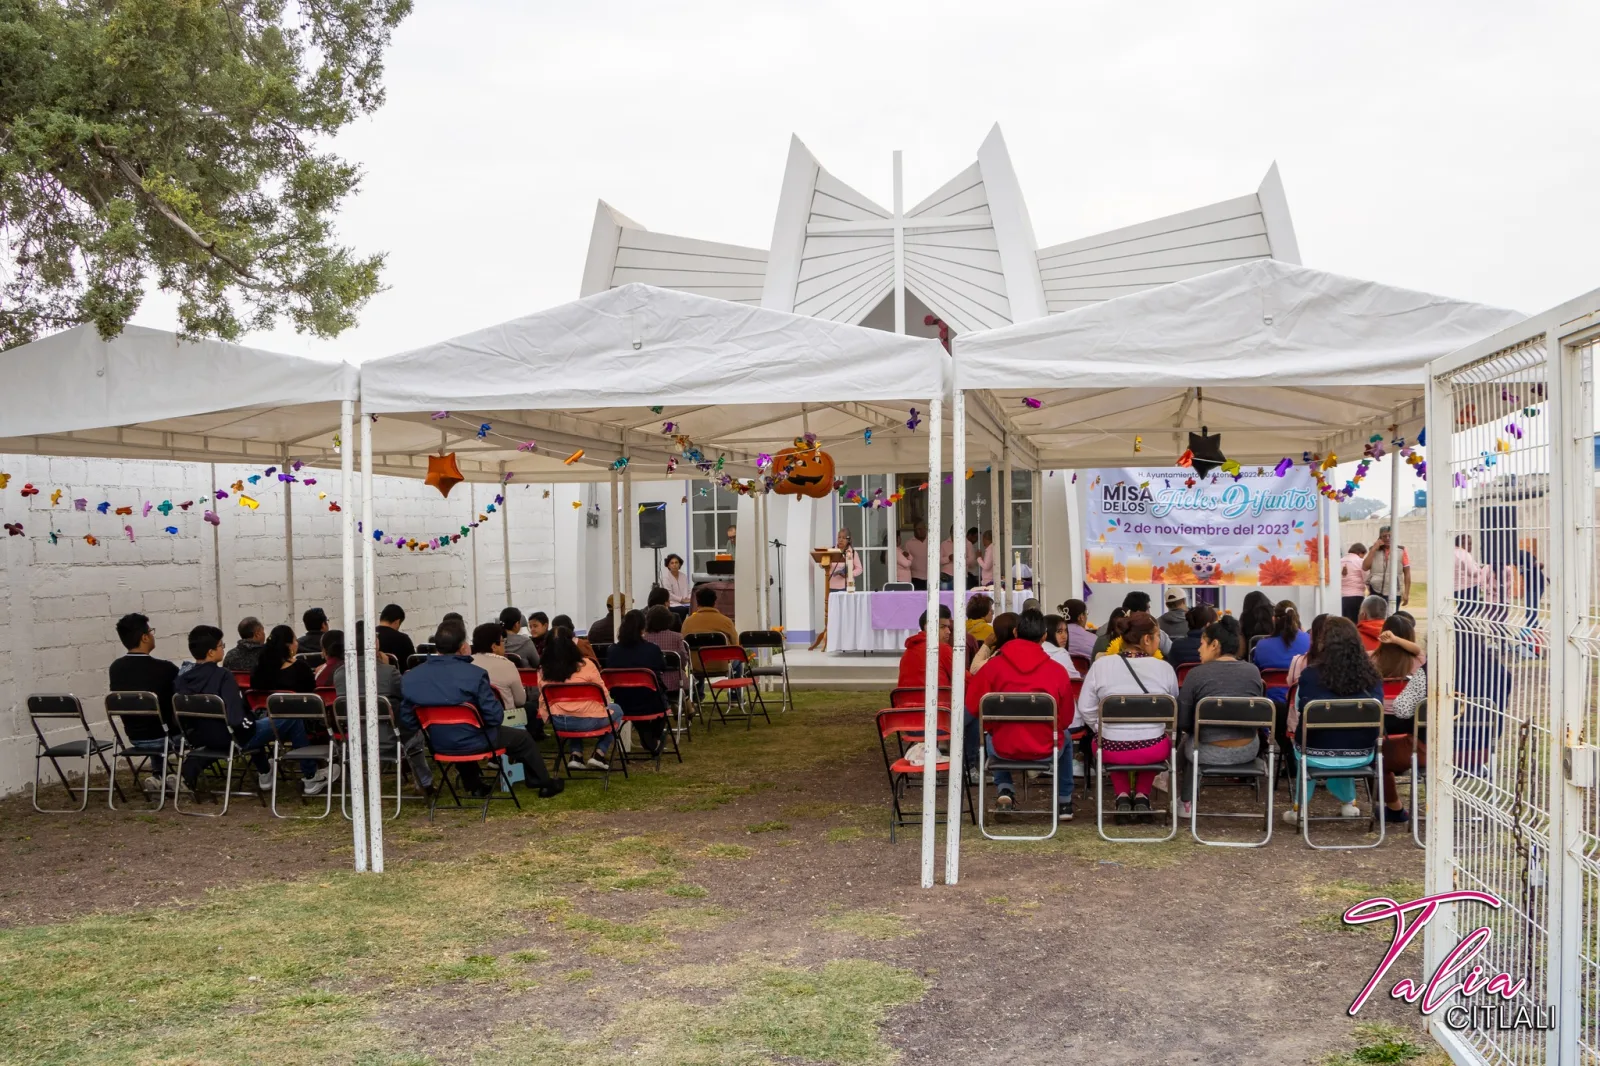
[564,663]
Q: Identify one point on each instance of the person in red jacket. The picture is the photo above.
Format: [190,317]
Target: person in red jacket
[1021,665]
[914,663]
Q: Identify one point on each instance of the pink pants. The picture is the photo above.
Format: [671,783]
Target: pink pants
[1144,780]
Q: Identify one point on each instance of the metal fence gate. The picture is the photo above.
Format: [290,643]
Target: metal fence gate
[1513,655]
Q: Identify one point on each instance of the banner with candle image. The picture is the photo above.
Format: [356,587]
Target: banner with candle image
[1165,525]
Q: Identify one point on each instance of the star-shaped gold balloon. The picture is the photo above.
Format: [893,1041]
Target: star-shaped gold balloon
[443,473]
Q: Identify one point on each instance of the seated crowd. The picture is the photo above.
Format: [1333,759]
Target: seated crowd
[1136,653]
[484,669]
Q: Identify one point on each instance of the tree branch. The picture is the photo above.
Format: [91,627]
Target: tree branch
[128,172]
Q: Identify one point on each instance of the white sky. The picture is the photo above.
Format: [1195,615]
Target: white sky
[1443,146]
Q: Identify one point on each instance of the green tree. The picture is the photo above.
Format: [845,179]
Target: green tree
[183,142]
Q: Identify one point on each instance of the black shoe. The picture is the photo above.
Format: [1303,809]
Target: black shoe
[1141,809]
[554,788]
[481,792]
[1124,810]
[1397,817]
[1064,812]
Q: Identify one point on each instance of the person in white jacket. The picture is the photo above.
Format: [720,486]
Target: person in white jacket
[1134,672]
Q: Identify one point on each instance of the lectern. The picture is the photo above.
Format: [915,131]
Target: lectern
[825,558]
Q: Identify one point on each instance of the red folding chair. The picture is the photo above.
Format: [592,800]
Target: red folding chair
[906,727]
[558,692]
[906,698]
[1183,671]
[640,680]
[731,656]
[256,700]
[241,678]
[463,714]
[1082,662]
[1274,678]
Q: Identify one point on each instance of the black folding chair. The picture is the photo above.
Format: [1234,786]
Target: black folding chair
[1038,712]
[313,659]
[700,679]
[638,692]
[1238,712]
[413,660]
[1150,709]
[602,651]
[202,721]
[141,734]
[54,711]
[673,663]
[308,709]
[1319,716]
[391,752]
[772,661]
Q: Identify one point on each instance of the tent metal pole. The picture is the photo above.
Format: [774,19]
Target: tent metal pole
[995,544]
[216,546]
[505,530]
[616,560]
[930,685]
[1003,573]
[627,520]
[353,684]
[472,555]
[764,608]
[1036,534]
[288,538]
[1392,582]
[958,650]
[369,739]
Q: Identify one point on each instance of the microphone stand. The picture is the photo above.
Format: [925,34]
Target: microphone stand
[783,622]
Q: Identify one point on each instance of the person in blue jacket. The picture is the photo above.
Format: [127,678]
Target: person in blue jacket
[448,677]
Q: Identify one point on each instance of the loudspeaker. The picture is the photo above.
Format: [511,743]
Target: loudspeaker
[652,525]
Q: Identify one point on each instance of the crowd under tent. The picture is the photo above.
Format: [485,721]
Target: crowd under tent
[1290,360]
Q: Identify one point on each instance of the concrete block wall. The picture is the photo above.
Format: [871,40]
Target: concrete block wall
[59,602]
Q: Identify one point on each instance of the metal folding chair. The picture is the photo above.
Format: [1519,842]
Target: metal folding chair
[672,662]
[699,679]
[53,710]
[1036,712]
[768,645]
[907,727]
[1392,687]
[202,721]
[626,683]
[131,714]
[414,659]
[585,691]
[1082,662]
[310,710]
[1183,672]
[1321,716]
[602,650]
[313,659]
[730,656]
[1242,712]
[908,698]
[1148,709]
[464,714]
[391,751]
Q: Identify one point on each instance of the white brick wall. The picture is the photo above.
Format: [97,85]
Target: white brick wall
[60,602]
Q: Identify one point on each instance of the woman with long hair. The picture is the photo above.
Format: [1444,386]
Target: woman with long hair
[563,662]
[1398,653]
[1221,673]
[661,630]
[1255,617]
[1005,628]
[1132,671]
[1277,650]
[633,651]
[1342,671]
[279,669]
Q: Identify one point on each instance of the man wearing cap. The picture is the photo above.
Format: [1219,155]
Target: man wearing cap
[1175,623]
[1377,564]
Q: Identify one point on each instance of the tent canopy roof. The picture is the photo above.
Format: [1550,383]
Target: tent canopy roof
[1281,359]
[147,393]
[738,380]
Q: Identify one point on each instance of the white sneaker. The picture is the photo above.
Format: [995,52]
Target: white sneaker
[575,762]
[1349,810]
[594,762]
[321,780]
[264,781]
[152,785]
[1291,816]
[1183,808]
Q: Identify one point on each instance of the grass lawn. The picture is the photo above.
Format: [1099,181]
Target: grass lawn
[742,908]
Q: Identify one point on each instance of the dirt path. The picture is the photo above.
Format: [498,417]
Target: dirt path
[1074,950]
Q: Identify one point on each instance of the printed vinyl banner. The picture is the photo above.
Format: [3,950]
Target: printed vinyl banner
[1165,525]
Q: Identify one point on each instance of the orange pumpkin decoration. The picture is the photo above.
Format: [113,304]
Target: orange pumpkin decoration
[804,470]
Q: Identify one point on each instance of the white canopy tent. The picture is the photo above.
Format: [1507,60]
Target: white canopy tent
[1288,360]
[605,373]
[150,394]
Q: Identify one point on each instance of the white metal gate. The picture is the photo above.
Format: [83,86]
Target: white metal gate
[1514,646]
